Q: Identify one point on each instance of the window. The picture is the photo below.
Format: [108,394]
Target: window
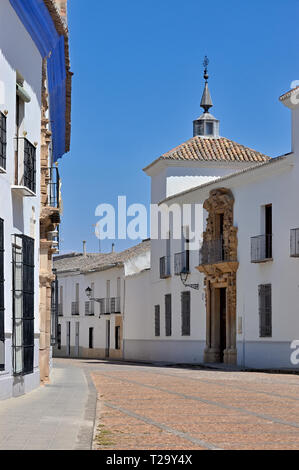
[90,338]
[54,312]
[268,230]
[265,310]
[168,323]
[186,304]
[59,337]
[2,141]
[117,337]
[157,320]
[75,305]
[209,128]
[23,305]
[2,332]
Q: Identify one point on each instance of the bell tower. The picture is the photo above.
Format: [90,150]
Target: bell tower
[206,125]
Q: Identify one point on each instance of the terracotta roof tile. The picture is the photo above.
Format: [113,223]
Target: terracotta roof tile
[218,149]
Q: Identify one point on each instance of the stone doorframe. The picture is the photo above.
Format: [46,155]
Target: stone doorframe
[221,274]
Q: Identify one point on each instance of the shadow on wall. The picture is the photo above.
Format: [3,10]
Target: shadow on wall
[29,64]
[18,213]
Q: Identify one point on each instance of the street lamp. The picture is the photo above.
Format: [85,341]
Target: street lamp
[184,278]
[88,292]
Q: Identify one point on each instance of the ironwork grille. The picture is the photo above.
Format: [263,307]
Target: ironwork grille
[168,319]
[186,312]
[115,305]
[2,333]
[89,308]
[3,142]
[212,252]
[295,242]
[265,310]
[261,248]
[105,306]
[23,305]
[75,308]
[54,187]
[29,166]
[165,267]
[181,262]
[157,320]
[54,312]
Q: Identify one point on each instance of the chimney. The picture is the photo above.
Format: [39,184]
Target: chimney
[84,248]
[291,101]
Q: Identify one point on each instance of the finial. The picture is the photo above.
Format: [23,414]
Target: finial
[205,64]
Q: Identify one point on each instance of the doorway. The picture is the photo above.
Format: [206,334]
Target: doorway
[77,348]
[222,324]
[107,353]
[68,338]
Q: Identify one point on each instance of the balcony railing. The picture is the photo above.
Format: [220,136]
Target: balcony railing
[294,242]
[165,271]
[60,310]
[25,166]
[115,305]
[75,308]
[261,248]
[54,187]
[89,308]
[213,252]
[181,263]
[110,306]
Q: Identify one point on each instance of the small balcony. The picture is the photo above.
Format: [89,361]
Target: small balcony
[213,252]
[294,242]
[105,306]
[89,308]
[53,188]
[181,263]
[25,168]
[75,308]
[115,305]
[261,249]
[165,271]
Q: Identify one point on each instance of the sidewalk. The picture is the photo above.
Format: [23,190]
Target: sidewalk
[59,416]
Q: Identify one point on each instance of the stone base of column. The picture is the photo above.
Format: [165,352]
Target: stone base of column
[212,356]
[230,356]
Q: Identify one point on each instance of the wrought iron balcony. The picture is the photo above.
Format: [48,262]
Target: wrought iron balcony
[3,142]
[25,167]
[89,308]
[75,308]
[53,187]
[261,248]
[115,305]
[105,306]
[165,270]
[213,252]
[181,263]
[294,242]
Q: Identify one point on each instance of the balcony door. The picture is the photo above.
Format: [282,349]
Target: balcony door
[268,230]
[77,340]
[107,352]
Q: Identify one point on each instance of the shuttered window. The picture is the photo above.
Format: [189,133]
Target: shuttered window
[2,141]
[168,322]
[23,305]
[186,309]
[2,334]
[265,310]
[157,320]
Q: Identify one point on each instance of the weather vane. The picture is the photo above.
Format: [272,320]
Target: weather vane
[205,64]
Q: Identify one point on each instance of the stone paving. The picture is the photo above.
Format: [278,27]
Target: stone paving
[147,407]
[59,416]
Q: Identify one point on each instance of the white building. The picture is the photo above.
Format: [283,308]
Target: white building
[24,86]
[94,328]
[234,297]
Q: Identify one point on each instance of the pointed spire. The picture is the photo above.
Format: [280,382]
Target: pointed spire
[206,101]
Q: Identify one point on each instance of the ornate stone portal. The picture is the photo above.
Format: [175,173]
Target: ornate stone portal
[219,265]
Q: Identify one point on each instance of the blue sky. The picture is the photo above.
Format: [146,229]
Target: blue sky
[138,84]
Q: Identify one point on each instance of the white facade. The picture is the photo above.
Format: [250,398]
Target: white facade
[20,214]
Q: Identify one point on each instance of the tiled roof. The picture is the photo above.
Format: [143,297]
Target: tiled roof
[288,93]
[217,149]
[97,261]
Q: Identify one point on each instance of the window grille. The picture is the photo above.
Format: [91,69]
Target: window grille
[54,312]
[186,310]
[3,141]
[29,166]
[2,331]
[23,304]
[157,320]
[168,322]
[90,338]
[265,310]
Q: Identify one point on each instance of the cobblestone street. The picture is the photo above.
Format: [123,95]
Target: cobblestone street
[145,407]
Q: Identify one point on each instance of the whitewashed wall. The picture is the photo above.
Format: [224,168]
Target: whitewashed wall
[18,53]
